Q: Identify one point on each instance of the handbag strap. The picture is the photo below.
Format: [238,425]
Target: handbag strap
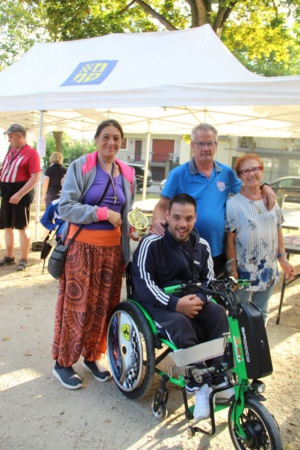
[99,202]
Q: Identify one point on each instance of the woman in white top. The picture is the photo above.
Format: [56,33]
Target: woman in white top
[254,239]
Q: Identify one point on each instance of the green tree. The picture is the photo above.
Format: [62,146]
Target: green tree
[263,41]
[71,148]
[21,26]
[257,32]
[263,35]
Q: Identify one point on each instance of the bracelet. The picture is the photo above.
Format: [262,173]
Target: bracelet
[264,184]
[280,255]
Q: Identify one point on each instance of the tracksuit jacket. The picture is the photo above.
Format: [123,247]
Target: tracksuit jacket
[161,261]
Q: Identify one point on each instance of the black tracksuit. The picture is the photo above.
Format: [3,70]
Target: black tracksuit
[161,261]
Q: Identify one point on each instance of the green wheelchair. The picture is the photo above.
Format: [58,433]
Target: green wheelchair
[136,350]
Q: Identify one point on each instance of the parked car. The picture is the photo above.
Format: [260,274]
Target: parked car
[162,184]
[139,174]
[289,187]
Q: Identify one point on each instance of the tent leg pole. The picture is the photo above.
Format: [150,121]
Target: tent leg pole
[38,187]
[146,162]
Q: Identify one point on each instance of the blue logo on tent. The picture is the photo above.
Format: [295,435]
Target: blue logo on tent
[90,72]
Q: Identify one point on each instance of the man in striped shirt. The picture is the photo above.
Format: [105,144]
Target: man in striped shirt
[20,173]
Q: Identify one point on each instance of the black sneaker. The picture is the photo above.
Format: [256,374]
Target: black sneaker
[22,265]
[7,261]
[67,376]
[93,367]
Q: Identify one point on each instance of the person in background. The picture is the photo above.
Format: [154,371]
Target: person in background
[19,175]
[254,239]
[181,255]
[51,219]
[52,178]
[210,183]
[90,285]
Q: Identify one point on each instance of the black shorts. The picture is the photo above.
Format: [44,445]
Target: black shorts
[11,215]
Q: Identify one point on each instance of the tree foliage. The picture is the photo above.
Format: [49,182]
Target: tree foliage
[263,40]
[263,35]
[71,148]
[20,27]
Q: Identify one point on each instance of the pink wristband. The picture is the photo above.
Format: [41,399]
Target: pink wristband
[102,213]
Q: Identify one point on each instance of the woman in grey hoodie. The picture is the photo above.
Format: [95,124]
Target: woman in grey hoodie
[90,285]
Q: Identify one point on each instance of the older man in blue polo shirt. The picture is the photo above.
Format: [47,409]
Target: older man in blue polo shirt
[210,183]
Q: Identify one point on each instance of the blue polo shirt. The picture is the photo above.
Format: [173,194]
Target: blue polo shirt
[210,194]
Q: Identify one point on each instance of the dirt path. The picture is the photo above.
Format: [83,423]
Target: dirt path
[37,413]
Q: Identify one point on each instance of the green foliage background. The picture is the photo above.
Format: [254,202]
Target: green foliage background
[71,148]
[263,35]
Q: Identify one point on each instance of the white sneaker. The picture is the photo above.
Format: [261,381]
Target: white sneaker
[202,410]
[223,396]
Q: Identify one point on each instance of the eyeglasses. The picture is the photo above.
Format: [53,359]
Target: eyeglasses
[204,144]
[254,170]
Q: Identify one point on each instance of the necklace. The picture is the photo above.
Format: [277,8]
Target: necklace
[259,210]
[252,200]
[110,174]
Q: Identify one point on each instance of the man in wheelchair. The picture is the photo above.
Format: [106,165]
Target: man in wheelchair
[180,256]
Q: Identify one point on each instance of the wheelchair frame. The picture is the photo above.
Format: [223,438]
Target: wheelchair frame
[133,339]
[136,386]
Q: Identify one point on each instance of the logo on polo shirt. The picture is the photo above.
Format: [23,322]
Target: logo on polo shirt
[221,186]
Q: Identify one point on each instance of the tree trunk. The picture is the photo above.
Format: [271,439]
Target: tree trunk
[58,140]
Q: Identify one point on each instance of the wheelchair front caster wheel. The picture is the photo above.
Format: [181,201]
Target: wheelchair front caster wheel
[191,432]
[161,412]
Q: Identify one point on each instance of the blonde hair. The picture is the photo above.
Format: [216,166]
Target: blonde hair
[247,157]
[56,158]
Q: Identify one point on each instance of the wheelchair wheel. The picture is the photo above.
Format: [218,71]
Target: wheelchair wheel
[130,350]
[259,426]
[161,412]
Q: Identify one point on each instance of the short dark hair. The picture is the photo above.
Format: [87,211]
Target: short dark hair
[182,199]
[16,128]
[109,123]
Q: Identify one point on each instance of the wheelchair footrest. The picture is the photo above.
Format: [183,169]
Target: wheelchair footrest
[199,353]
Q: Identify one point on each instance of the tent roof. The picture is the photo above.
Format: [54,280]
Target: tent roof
[163,82]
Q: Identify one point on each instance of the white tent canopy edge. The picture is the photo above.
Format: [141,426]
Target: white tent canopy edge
[269,120]
[170,80]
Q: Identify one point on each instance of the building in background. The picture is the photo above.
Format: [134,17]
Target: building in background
[281,156]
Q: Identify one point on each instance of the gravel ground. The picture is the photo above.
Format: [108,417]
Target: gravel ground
[37,413]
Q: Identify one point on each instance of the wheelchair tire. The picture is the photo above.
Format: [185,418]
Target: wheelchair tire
[130,350]
[259,425]
[161,412]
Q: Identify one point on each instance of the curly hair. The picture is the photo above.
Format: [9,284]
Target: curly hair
[56,158]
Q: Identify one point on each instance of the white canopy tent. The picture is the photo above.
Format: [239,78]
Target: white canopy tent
[163,82]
